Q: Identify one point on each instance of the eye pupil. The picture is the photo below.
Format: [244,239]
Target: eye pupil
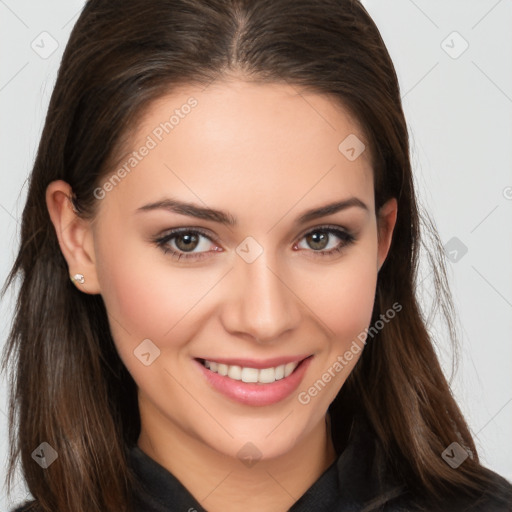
[190,242]
[318,238]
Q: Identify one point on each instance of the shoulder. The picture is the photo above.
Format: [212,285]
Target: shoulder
[365,476]
[497,497]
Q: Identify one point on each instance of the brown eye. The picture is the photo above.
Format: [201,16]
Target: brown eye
[322,241]
[318,239]
[186,242]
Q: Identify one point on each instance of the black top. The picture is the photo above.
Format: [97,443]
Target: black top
[164,493]
[355,482]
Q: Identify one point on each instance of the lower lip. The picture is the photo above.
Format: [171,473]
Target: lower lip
[256,394]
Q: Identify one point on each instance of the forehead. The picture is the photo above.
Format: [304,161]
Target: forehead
[245,140]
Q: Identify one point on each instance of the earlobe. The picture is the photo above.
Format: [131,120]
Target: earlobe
[386,220]
[75,236]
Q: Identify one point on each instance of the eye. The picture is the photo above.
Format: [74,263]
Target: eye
[186,243]
[321,240]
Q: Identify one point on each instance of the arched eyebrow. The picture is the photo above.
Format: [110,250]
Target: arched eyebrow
[330,209]
[201,212]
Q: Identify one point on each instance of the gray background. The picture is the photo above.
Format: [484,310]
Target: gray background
[458,103]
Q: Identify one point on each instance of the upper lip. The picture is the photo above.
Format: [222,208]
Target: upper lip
[257,363]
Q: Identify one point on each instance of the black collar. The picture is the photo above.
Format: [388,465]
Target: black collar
[162,491]
[355,481]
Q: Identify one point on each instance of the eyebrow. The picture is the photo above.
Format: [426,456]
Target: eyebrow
[200,212]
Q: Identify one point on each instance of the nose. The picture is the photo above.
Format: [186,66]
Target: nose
[262,304]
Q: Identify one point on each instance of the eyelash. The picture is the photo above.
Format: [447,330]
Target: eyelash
[162,242]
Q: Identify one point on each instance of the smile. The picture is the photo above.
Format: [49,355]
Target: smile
[254,383]
[247,374]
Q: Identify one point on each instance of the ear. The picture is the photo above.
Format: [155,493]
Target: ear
[74,234]
[386,220]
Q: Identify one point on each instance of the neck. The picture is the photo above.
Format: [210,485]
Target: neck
[223,484]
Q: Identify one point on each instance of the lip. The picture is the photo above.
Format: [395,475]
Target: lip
[256,394]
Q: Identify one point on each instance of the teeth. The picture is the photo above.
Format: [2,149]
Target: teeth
[267,375]
[288,368]
[249,375]
[234,372]
[222,369]
[252,375]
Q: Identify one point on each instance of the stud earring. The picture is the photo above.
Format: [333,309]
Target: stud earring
[78,279]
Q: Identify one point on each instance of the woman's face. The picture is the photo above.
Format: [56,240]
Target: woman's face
[258,276]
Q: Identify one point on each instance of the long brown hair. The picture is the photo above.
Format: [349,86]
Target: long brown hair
[69,387]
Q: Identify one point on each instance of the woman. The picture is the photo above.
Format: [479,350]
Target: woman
[218,261]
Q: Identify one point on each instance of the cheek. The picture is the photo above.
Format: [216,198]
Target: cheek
[345,293]
[348,300]
[344,298]
[146,297]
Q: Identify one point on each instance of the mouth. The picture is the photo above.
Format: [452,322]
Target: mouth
[254,383]
[265,375]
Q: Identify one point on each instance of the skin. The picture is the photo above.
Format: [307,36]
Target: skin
[265,154]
